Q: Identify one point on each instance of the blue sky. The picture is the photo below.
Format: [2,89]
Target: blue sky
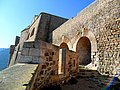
[15,15]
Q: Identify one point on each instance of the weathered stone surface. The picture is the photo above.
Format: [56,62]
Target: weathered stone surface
[36,59]
[16,77]
[34,52]
[92,37]
[25,59]
[28,45]
[25,51]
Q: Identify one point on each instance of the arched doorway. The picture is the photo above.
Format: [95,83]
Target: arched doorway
[62,58]
[84,51]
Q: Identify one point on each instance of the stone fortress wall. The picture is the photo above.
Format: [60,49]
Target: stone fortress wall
[34,47]
[59,45]
[41,27]
[100,23]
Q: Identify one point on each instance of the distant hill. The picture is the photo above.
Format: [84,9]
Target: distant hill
[4,55]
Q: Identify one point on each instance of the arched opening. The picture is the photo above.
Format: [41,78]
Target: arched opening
[62,58]
[83,49]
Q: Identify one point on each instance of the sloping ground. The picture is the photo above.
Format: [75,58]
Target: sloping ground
[88,80]
[92,83]
[91,80]
[16,77]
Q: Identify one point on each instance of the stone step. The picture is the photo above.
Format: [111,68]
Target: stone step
[87,73]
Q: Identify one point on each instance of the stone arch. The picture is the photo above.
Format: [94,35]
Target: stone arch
[94,54]
[83,50]
[62,58]
[91,37]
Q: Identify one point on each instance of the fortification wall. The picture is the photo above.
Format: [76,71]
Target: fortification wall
[47,24]
[93,18]
[48,59]
[102,19]
[99,24]
[40,29]
[23,37]
[33,28]
[33,53]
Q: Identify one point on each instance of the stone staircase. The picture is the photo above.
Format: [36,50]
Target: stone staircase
[85,72]
[86,79]
[112,83]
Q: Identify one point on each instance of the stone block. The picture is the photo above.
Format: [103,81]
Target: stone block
[28,45]
[25,52]
[119,46]
[42,59]
[35,59]
[25,59]
[42,52]
[18,57]
[93,53]
[34,52]
[49,46]
[37,45]
[43,44]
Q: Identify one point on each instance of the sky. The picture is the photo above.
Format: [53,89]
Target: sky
[15,15]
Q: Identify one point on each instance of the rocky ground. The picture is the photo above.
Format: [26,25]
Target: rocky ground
[88,82]
[12,79]
[93,83]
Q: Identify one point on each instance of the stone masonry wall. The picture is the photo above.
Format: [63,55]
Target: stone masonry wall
[48,65]
[102,19]
[48,57]
[32,52]
[47,24]
[18,47]
[40,29]
[38,52]
[99,22]
[23,37]
[109,49]
[33,28]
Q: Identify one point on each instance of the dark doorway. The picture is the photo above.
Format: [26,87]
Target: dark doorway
[84,51]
